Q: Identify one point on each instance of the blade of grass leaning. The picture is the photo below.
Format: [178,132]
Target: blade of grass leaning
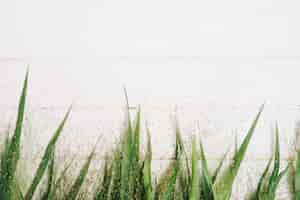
[170,183]
[207,189]
[11,157]
[114,188]
[297,177]
[147,169]
[166,186]
[136,181]
[57,183]
[127,156]
[276,176]
[75,188]
[219,167]
[50,180]
[136,134]
[223,187]
[267,186]
[45,159]
[126,163]
[262,181]
[195,186]
[103,189]
[276,166]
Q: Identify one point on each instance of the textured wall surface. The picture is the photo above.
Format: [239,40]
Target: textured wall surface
[211,63]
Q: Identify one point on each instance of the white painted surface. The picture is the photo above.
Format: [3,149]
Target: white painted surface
[212,61]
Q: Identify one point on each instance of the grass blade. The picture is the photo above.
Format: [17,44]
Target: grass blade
[126,163]
[223,188]
[11,156]
[147,169]
[103,189]
[218,169]
[195,187]
[50,180]
[75,188]
[206,180]
[46,158]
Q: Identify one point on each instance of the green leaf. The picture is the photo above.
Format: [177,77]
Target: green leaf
[147,169]
[102,192]
[266,189]
[11,156]
[276,166]
[75,188]
[50,180]
[261,181]
[218,169]
[223,188]
[126,163]
[206,180]
[46,158]
[195,187]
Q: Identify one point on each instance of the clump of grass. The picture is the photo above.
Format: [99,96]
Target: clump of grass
[128,174]
[127,171]
[267,185]
[223,187]
[9,186]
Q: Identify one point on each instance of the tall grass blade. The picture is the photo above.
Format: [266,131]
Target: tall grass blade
[206,180]
[102,191]
[267,186]
[219,167]
[11,156]
[75,188]
[126,163]
[147,169]
[51,177]
[223,188]
[46,158]
[55,192]
[195,186]
[166,186]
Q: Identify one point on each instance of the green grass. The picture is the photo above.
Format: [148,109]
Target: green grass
[127,171]
[267,185]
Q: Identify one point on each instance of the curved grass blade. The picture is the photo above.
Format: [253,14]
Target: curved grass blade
[46,158]
[261,181]
[72,194]
[147,169]
[126,164]
[166,187]
[218,169]
[57,183]
[102,191]
[206,180]
[170,182]
[223,188]
[276,166]
[267,187]
[50,180]
[275,175]
[11,156]
[195,186]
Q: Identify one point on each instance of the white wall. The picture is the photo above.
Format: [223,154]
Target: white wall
[213,61]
